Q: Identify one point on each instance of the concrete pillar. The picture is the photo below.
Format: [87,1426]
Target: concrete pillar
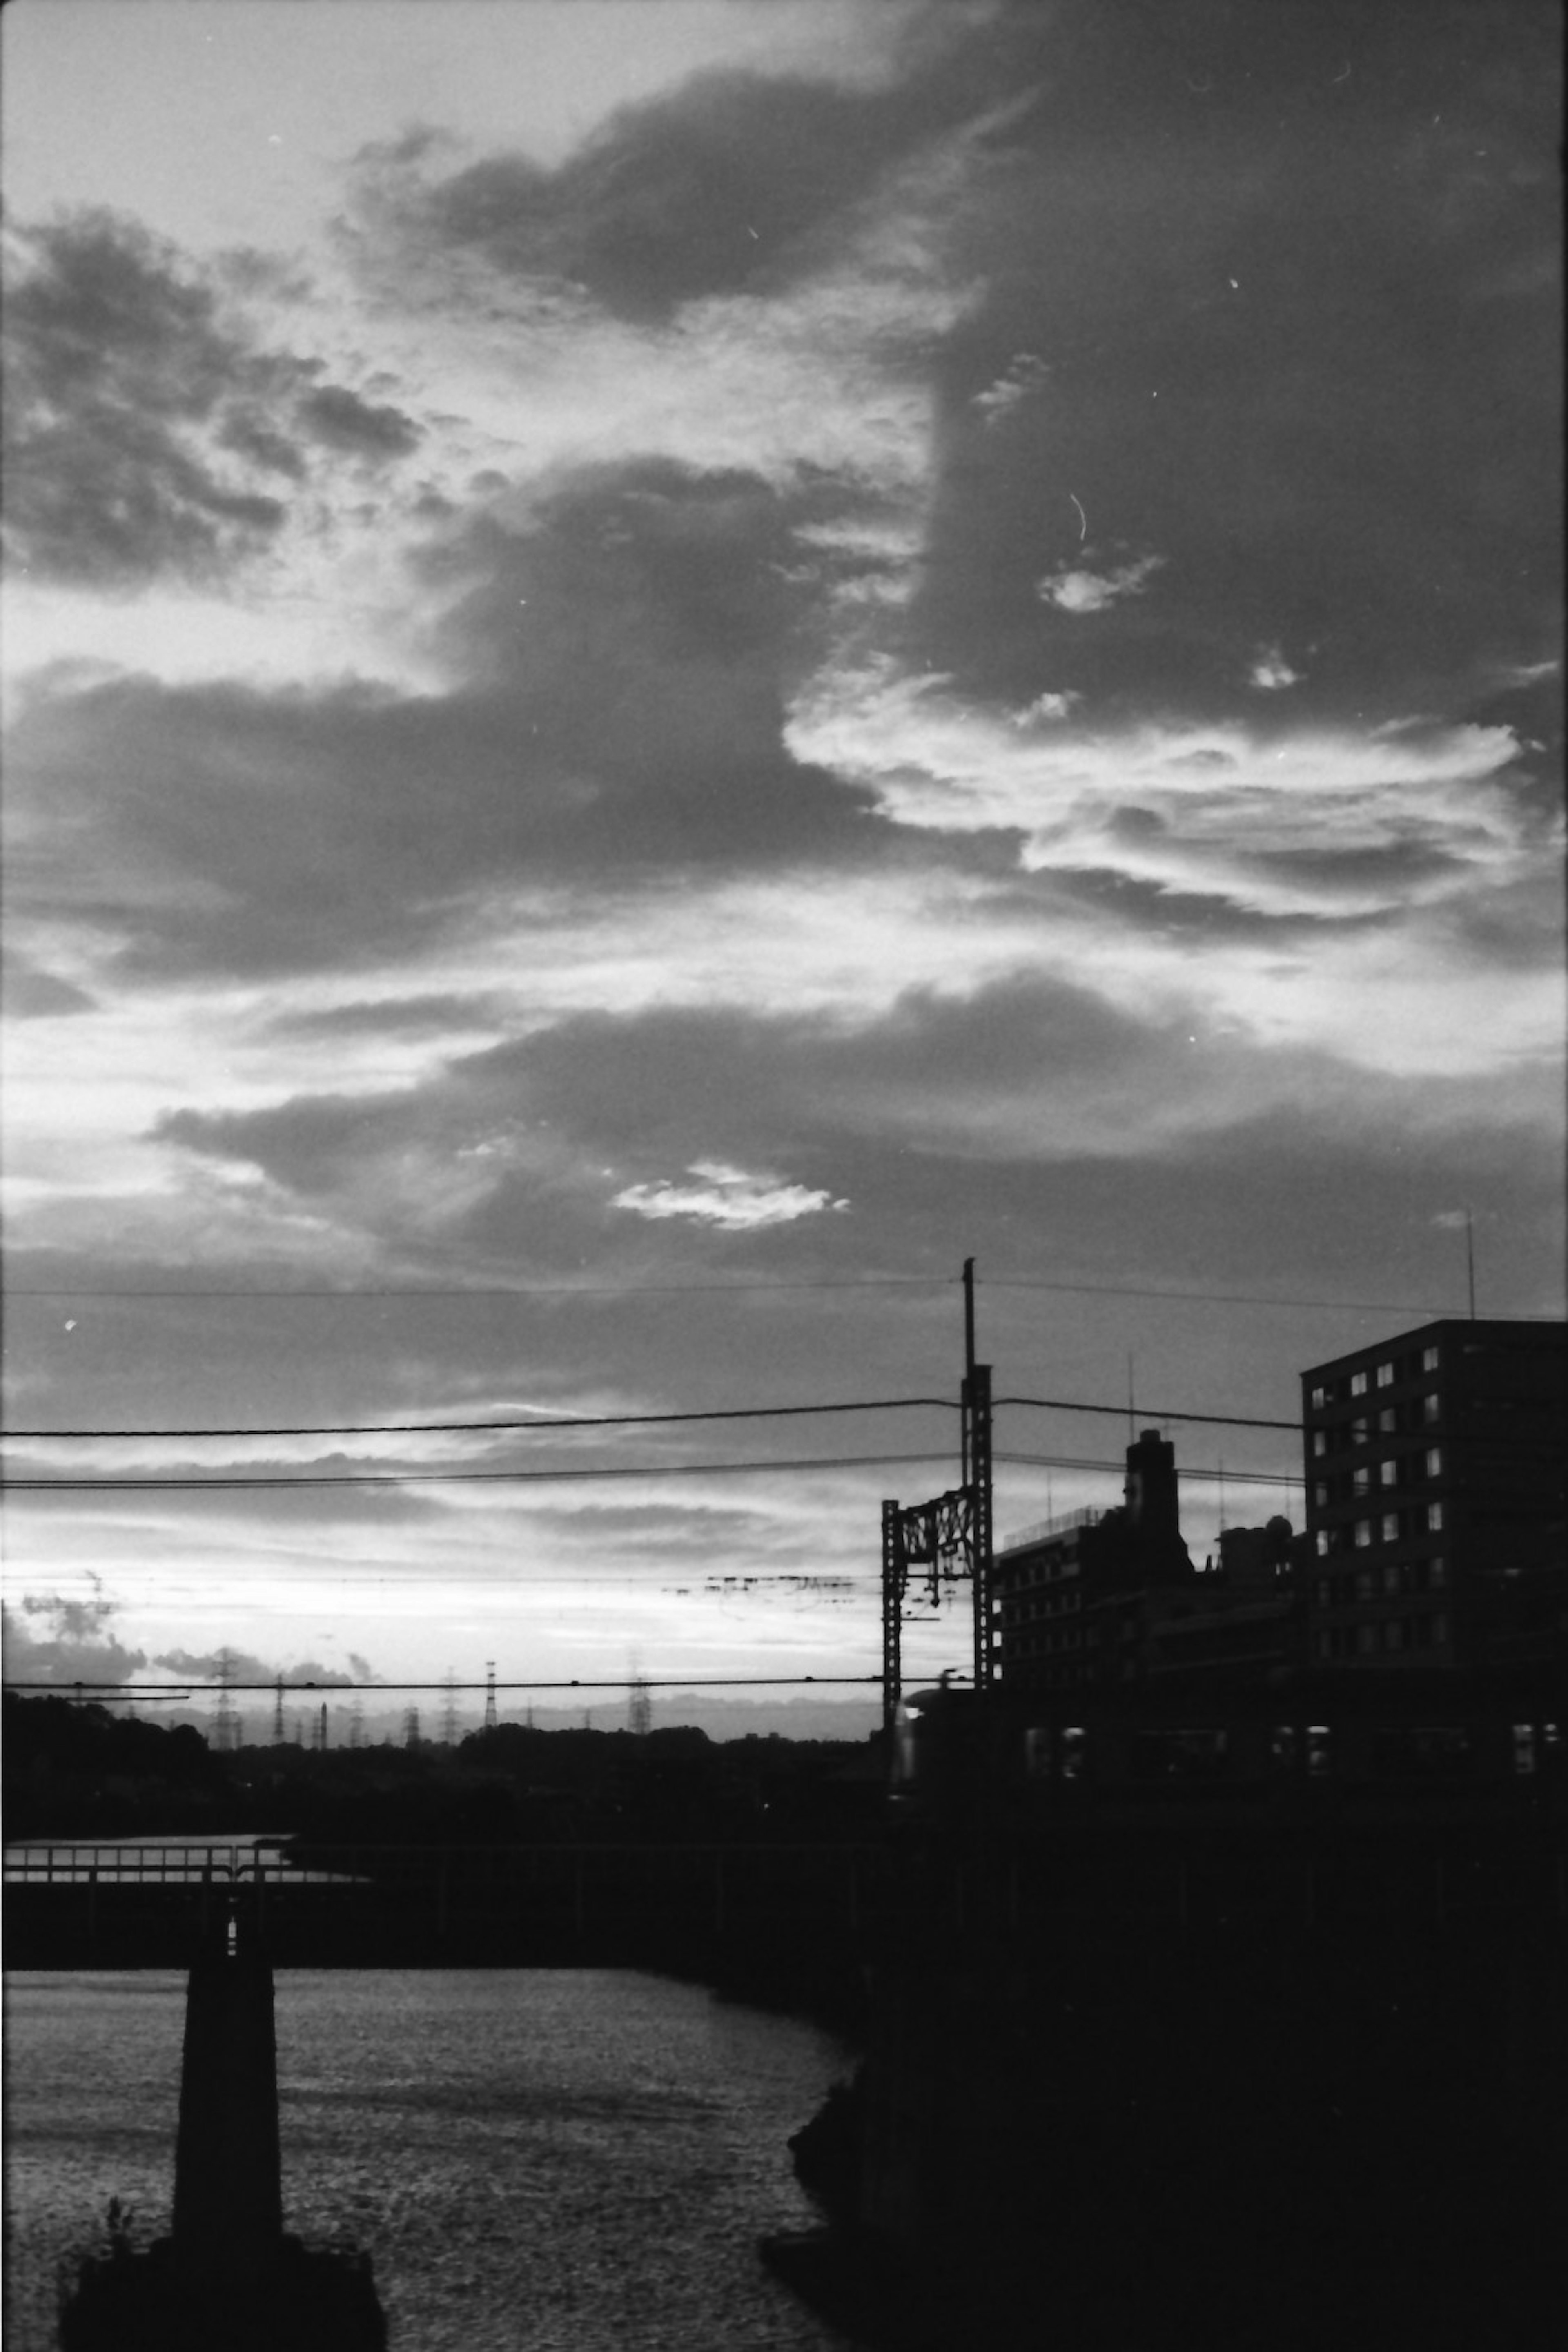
[228,2189]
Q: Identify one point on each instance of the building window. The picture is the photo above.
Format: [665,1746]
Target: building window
[1360,1480]
[1430,1359]
[1429,1408]
[1358,1384]
[1320,1442]
[1320,1399]
[1391,1527]
[1320,1591]
[1365,1584]
[1321,1540]
[1433,1514]
[1436,1572]
[1433,1462]
[1391,1577]
[1388,1472]
[1359,1431]
[1365,1639]
[1321,1495]
[1394,1632]
[1363,1534]
[1386,1375]
[1440,1626]
[1388,1421]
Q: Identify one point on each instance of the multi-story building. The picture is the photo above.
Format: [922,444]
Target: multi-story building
[1435,1496]
[1112,1597]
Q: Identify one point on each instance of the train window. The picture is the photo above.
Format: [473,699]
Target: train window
[1319,1751]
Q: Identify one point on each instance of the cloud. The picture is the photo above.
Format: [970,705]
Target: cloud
[343,421]
[736,185]
[1074,589]
[1271,670]
[231,1665]
[1308,820]
[132,449]
[1025,374]
[31,993]
[78,1643]
[726,1197]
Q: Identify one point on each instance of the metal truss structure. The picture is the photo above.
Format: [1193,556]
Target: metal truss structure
[949,1539]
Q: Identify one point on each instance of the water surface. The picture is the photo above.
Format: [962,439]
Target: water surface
[549,2160]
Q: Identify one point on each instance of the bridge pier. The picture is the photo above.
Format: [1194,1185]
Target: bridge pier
[227,2274]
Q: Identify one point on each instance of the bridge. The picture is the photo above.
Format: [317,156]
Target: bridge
[73,1904]
[781,1909]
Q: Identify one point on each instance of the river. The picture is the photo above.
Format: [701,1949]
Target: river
[547,2161]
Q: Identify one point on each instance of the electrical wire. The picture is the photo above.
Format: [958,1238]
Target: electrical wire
[223,1481]
[574,1421]
[1148,1411]
[699,1289]
[451,1477]
[325,1690]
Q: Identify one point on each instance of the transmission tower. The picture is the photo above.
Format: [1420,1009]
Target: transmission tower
[278,1715]
[411,1726]
[639,1708]
[490,1694]
[321,1735]
[225,1728]
[357,1724]
[449,1711]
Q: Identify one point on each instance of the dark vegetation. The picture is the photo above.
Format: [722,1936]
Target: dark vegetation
[81,1771]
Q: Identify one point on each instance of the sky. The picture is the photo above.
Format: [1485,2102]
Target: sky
[668,666]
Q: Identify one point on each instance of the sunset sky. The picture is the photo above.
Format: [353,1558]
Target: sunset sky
[671,665]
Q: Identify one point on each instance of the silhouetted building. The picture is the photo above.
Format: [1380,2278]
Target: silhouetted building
[1112,1597]
[1434,1498]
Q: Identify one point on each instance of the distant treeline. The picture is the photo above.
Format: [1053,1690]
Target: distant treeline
[75,1770]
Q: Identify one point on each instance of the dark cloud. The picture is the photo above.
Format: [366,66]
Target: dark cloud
[341,420]
[733,183]
[1292,274]
[401,1016]
[126,385]
[27,992]
[241,1666]
[620,718]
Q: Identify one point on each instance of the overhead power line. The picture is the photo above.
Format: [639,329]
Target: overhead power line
[331,1690]
[1150,1413]
[285,1482]
[455,1477]
[537,1426]
[572,1420]
[701,1289]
